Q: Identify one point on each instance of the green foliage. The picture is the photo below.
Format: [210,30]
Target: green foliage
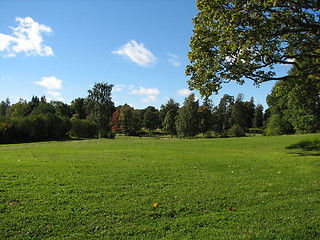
[34,128]
[44,108]
[187,121]
[296,102]
[236,131]
[223,113]
[4,105]
[151,118]
[242,113]
[8,130]
[78,108]
[169,123]
[205,118]
[258,117]
[130,120]
[20,109]
[278,125]
[231,188]
[61,109]
[237,40]
[164,109]
[83,128]
[100,107]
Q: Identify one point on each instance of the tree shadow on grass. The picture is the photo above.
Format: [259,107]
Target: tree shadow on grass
[26,140]
[305,153]
[306,147]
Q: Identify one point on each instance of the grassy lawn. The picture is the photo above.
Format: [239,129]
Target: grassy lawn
[233,188]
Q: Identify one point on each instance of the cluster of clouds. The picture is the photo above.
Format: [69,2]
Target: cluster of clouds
[51,84]
[26,38]
[150,94]
[139,54]
[184,92]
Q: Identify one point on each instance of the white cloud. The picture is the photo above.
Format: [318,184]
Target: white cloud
[173,59]
[136,53]
[61,99]
[7,79]
[149,99]
[26,38]
[119,87]
[145,91]
[184,92]
[53,93]
[289,62]
[56,95]
[51,83]
[5,42]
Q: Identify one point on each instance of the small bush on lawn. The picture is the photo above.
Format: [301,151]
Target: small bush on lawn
[236,131]
[83,128]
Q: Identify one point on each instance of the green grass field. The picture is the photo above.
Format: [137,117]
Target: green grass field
[233,188]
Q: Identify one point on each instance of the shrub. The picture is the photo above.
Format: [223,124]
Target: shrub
[8,130]
[83,128]
[236,131]
[34,128]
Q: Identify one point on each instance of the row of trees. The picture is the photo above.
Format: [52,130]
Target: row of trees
[191,118]
[39,120]
[96,116]
[294,107]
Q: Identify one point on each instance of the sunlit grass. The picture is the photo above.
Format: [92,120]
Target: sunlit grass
[145,188]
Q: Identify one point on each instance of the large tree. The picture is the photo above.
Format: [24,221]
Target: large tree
[296,103]
[151,118]
[258,116]
[130,120]
[78,108]
[187,121]
[205,117]
[169,123]
[4,105]
[242,39]
[100,107]
[165,108]
[222,113]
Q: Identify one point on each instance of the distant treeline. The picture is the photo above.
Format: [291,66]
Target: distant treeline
[96,116]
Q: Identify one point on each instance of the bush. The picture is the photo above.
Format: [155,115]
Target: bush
[112,135]
[83,128]
[8,130]
[33,128]
[278,125]
[236,131]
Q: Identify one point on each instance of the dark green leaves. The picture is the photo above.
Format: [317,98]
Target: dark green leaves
[237,40]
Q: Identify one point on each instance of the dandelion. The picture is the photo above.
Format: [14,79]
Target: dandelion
[155,205]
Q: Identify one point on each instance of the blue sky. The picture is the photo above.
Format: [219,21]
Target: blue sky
[60,48]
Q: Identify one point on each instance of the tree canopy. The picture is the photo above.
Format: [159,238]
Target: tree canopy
[100,107]
[295,104]
[187,122]
[235,40]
